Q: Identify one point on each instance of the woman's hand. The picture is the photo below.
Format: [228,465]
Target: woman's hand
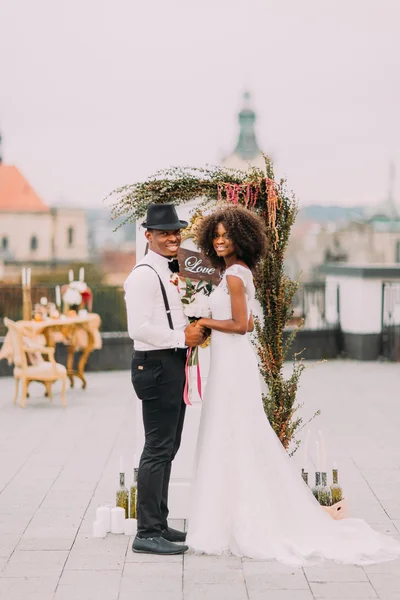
[250,326]
[202,323]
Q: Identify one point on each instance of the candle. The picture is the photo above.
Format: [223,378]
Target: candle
[306,447]
[81,274]
[28,276]
[70,275]
[121,465]
[103,514]
[99,530]
[135,463]
[318,463]
[43,301]
[130,527]
[323,451]
[58,296]
[23,276]
[117,520]
[334,466]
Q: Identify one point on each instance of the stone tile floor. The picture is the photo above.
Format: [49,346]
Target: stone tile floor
[57,465]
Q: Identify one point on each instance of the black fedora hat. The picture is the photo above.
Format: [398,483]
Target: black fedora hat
[164,217]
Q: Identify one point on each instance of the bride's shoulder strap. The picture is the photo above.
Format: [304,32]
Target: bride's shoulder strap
[239,271]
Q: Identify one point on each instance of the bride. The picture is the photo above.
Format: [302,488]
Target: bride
[247,498]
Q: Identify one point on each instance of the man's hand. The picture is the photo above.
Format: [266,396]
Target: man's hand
[194,336]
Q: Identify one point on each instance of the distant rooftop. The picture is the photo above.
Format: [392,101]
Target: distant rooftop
[16,194]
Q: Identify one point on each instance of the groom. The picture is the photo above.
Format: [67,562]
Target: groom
[158,326]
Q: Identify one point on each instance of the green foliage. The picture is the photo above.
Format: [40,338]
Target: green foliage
[176,184]
[191,289]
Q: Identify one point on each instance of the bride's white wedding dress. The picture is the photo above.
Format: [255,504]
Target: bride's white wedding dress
[248,499]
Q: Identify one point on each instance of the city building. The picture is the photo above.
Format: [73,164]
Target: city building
[34,233]
[371,237]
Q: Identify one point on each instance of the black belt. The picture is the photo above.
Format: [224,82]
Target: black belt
[158,353]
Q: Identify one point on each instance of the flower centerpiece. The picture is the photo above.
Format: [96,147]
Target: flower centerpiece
[76,296]
[72,297]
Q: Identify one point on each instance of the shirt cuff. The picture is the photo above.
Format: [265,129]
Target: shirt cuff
[180,339]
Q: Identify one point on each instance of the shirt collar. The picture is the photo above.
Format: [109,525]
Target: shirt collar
[162,261]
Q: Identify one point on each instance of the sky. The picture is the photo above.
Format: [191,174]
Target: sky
[95,94]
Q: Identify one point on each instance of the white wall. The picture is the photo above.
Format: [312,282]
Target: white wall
[50,229]
[391,309]
[63,219]
[360,303]
[19,229]
[331,305]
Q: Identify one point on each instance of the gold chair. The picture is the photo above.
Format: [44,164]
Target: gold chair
[46,372]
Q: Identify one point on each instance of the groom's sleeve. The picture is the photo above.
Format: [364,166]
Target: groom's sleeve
[141,287]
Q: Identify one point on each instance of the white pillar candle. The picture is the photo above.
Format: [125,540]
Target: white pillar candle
[117,520]
[99,531]
[323,450]
[103,514]
[81,274]
[318,460]
[58,296]
[70,275]
[334,466]
[130,527]
[28,276]
[121,464]
[23,276]
[306,447]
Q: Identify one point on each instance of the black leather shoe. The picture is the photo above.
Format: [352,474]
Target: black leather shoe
[156,545]
[173,535]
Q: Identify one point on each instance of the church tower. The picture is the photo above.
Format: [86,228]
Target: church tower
[247,151]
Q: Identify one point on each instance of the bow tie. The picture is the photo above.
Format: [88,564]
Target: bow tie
[173,265]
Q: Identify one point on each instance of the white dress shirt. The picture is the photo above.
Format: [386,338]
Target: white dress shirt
[147,318]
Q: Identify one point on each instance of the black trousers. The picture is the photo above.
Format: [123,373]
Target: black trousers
[158,378]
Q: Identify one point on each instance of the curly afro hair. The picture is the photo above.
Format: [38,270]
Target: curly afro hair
[246,230]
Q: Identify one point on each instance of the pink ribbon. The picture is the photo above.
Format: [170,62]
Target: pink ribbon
[186,398]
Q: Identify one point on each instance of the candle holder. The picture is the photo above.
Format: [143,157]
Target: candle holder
[26,302]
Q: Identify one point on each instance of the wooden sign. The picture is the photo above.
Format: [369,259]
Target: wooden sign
[195,266]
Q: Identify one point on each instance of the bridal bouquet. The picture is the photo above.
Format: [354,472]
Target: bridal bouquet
[196,305]
[195,300]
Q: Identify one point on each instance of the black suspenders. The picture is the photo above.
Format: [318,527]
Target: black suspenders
[164,295]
